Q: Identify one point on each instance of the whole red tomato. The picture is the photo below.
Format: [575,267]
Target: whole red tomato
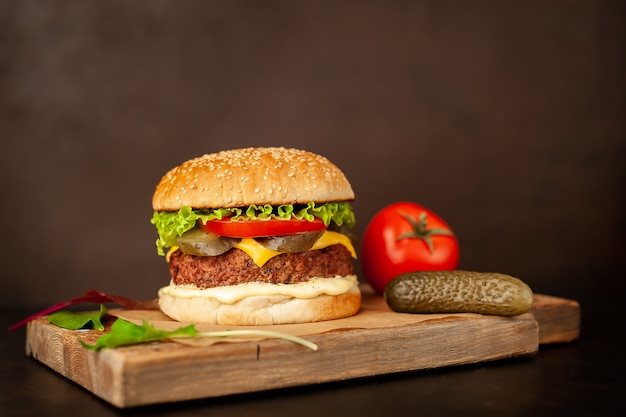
[405,237]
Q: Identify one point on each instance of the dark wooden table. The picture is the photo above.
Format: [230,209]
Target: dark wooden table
[586,377]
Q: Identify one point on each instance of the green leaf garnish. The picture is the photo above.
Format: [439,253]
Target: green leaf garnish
[79,320]
[125,333]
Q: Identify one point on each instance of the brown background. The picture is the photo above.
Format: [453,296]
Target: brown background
[505,117]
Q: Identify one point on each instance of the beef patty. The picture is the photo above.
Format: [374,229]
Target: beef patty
[236,267]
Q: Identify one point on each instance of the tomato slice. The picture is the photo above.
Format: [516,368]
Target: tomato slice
[258,228]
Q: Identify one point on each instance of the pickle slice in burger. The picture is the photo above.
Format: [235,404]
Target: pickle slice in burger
[200,243]
[300,242]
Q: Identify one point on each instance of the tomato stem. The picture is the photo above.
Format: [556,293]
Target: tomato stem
[421,231]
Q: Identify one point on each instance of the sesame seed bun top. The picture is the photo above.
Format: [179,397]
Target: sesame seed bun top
[241,177]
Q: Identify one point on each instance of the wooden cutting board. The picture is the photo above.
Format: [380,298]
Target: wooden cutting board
[374,342]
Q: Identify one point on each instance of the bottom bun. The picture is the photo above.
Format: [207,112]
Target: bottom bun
[196,306]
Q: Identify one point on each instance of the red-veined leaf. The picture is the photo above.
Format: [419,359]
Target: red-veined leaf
[92,296]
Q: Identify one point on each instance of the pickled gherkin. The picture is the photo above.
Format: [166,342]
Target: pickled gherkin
[458,292]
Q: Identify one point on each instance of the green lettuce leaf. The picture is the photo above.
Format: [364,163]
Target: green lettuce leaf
[124,333]
[79,320]
[172,224]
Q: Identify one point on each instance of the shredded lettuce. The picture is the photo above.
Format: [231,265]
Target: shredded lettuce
[172,224]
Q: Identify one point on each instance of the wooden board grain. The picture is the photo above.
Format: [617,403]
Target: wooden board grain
[558,318]
[143,374]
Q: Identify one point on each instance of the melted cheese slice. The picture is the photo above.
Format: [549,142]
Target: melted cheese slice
[233,293]
[258,253]
[261,255]
[169,253]
[334,238]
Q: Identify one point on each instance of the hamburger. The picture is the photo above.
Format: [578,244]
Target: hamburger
[256,236]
